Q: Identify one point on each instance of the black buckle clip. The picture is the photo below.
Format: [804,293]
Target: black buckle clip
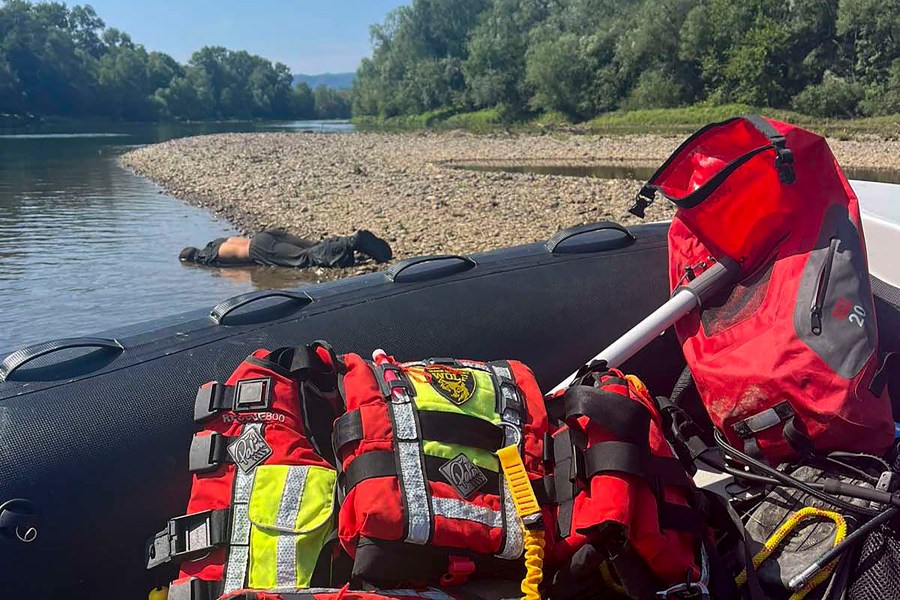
[210,399]
[784,163]
[208,452]
[188,536]
[642,200]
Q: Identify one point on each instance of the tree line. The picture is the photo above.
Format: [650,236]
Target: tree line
[60,61]
[580,58]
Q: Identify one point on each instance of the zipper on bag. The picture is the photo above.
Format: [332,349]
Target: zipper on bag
[815,309]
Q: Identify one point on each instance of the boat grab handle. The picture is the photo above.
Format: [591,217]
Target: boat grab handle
[406,271]
[224,308]
[25,355]
[565,242]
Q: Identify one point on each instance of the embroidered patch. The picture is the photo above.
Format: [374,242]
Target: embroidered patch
[453,384]
[463,475]
[249,450]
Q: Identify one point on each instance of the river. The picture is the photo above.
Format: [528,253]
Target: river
[85,245]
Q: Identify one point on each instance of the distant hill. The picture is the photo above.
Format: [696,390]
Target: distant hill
[338,81]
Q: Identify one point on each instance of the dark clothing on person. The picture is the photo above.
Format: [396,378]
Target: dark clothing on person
[275,247]
[279,248]
[209,254]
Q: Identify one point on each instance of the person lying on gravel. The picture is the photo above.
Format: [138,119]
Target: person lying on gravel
[279,248]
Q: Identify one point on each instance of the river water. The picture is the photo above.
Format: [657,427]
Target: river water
[86,245]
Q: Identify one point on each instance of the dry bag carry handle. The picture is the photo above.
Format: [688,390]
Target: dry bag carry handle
[438,265]
[566,242]
[25,355]
[226,307]
[784,163]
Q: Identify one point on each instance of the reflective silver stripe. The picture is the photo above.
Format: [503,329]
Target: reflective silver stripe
[286,545]
[412,474]
[514,542]
[239,544]
[404,421]
[502,372]
[417,514]
[451,508]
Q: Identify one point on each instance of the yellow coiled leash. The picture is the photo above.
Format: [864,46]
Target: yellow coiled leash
[782,532]
[530,514]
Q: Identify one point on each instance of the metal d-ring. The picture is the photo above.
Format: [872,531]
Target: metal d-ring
[30,535]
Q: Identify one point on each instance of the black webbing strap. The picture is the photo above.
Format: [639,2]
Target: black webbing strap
[782,412]
[634,459]
[623,457]
[209,452]
[888,376]
[455,428]
[211,399]
[544,490]
[784,158]
[381,463]
[348,428]
[188,536]
[196,589]
[682,518]
[320,400]
[436,426]
[626,419]
[565,479]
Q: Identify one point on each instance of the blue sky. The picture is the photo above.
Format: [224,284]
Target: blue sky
[310,36]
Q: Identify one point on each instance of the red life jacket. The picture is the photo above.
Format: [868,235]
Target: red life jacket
[261,508]
[628,515]
[785,361]
[424,500]
[345,594]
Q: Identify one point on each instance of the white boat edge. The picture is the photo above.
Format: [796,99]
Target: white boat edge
[879,207]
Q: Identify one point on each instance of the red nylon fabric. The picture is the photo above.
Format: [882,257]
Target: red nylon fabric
[342,594]
[629,500]
[760,355]
[287,438]
[374,507]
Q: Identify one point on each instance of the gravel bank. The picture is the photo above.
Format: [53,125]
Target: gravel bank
[404,186]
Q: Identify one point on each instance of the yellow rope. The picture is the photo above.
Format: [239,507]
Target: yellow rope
[529,512]
[782,532]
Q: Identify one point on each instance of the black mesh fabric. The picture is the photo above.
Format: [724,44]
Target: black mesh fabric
[876,575]
[730,308]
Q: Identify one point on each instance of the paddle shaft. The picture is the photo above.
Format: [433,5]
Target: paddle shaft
[685,299]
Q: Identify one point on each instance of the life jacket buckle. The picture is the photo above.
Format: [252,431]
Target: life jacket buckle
[696,589]
[458,570]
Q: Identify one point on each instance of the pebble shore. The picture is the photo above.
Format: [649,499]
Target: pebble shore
[407,187]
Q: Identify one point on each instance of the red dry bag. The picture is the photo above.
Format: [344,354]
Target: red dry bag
[784,360]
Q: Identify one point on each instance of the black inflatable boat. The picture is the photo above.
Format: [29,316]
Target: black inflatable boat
[94,431]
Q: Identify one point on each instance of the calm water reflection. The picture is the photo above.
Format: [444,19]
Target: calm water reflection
[86,246]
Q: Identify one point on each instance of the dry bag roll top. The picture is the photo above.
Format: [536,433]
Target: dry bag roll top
[262,509]
[424,499]
[783,360]
[629,519]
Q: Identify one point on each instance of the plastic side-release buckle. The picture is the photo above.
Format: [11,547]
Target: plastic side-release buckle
[188,536]
[208,452]
[459,568]
[211,398]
